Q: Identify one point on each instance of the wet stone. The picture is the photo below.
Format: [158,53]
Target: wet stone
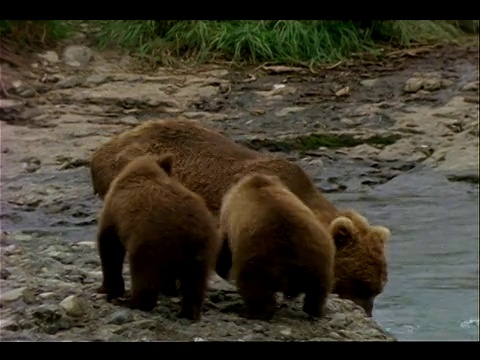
[120,317]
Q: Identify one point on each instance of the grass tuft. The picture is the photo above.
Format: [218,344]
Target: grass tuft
[275,41]
[33,33]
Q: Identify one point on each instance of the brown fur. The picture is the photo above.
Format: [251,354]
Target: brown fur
[361,265]
[277,245]
[166,231]
[209,163]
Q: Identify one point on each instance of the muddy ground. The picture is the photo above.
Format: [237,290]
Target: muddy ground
[352,126]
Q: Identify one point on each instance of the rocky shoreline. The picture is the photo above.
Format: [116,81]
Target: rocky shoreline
[352,127]
[39,310]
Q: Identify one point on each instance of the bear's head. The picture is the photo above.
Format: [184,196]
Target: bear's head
[360,262]
[146,166]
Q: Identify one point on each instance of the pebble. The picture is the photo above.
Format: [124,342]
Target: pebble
[335,336]
[23,237]
[5,238]
[287,110]
[129,120]
[286,331]
[50,56]
[8,324]
[69,82]
[258,328]
[46,295]
[4,274]
[97,79]
[91,244]
[27,93]
[347,121]
[432,84]
[9,250]
[55,254]
[31,166]
[77,55]
[369,83]
[73,306]
[472,86]
[95,274]
[120,317]
[12,295]
[413,85]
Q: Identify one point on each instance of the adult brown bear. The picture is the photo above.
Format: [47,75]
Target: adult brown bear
[166,231]
[208,163]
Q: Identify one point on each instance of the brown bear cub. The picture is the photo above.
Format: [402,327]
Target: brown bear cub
[166,231]
[277,245]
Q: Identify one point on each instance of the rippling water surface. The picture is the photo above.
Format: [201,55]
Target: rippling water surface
[433,254]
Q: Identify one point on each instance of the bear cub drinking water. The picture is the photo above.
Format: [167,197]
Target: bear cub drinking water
[277,245]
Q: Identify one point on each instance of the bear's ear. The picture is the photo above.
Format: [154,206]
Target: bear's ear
[381,233]
[165,161]
[360,221]
[343,231]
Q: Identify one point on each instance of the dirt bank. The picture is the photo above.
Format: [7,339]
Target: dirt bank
[353,126]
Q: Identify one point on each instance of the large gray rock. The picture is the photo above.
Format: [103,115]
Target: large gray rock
[77,55]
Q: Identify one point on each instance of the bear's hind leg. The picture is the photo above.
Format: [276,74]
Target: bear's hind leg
[168,287]
[193,287]
[143,274]
[260,302]
[260,306]
[112,255]
[315,301]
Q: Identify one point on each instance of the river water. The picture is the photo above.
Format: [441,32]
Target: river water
[432,293]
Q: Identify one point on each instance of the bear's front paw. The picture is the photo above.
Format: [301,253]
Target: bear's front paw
[117,290]
[314,311]
[113,289]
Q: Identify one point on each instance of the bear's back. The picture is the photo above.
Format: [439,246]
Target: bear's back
[151,209]
[272,227]
[275,218]
[184,137]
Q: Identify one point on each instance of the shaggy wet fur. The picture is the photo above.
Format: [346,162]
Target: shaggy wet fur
[209,163]
[277,245]
[166,231]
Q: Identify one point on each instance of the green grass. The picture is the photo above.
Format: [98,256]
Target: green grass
[289,42]
[33,33]
[314,141]
[306,42]
[408,32]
